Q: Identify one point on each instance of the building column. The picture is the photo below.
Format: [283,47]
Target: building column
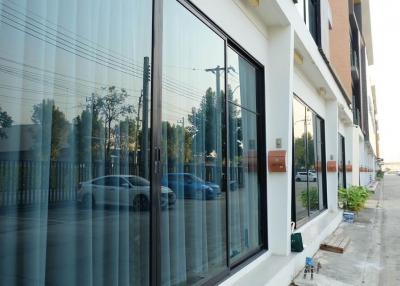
[279,130]
[349,142]
[356,156]
[331,149]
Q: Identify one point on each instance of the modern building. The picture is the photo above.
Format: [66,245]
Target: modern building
[174,142]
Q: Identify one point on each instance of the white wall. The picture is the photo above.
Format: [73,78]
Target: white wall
[308,93]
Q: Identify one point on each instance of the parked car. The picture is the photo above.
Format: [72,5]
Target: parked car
[302,176]
[189,186]
[121,190]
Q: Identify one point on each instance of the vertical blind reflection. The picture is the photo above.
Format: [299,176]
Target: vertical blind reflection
[74,109]
[243,168]
[193,233]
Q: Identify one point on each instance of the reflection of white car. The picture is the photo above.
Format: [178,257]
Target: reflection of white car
[121,190]
[302,177]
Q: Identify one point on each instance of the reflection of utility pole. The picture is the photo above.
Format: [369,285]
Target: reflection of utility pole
[218,100]
[182,120]
[137,130]
[145,119]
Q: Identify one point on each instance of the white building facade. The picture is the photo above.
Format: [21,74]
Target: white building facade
[174,142]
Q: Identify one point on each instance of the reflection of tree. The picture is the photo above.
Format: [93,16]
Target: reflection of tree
[129,137]
[111,107]
[55,127]
[235,130]
[203,119]
[178,150]
[89,135]
[301,162]
[5,121]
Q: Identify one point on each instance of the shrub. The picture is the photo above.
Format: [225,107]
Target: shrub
[353,198]
[379,174]
[314,198]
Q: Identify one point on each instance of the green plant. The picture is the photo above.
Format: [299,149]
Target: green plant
[312,196]
[353,198]
[380,174]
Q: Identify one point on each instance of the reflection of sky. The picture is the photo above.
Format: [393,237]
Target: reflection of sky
[66,50]
[190,47]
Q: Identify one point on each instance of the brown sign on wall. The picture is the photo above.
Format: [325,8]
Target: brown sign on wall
[277,161]
[331,166]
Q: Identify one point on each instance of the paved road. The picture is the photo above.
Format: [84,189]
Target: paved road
[373,256]
[390,229]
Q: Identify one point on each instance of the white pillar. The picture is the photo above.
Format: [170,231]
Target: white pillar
[356,156]
[279,126]
[349,153]
[331,146]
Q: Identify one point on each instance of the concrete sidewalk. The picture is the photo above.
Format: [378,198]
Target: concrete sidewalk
[363,261]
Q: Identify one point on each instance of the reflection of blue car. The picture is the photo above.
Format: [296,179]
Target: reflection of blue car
[189,186]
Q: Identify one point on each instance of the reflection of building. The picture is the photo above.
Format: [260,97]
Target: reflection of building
[199,122]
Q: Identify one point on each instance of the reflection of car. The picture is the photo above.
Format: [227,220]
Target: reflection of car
[189,186]
[121,190]
[302,176]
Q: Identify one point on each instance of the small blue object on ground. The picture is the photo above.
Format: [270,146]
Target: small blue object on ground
[348,217]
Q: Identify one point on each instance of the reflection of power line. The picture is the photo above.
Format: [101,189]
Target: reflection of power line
[86,51]
[59,27]
[78,50]
[75,79]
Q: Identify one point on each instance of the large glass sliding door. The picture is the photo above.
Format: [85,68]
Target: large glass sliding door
[309,191]
[74,181]
[193,234]
[209,151]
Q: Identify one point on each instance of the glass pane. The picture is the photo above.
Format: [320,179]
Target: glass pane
[193,233]
[241,81]
[300,160]
[74,89]
[312,153]
[243,182]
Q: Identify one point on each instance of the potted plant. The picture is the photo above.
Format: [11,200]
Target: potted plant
[352,200]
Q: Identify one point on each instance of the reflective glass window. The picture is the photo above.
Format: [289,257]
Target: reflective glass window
[74,108]
[193,233]
[309,173]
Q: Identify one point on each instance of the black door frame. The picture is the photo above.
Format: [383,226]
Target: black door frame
[342,142]
[323,167]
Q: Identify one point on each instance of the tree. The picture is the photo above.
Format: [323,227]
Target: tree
[5,121]
[111,107]
[55,128]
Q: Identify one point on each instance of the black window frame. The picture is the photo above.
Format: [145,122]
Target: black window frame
[155,145]
[323,167]
[342,142]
